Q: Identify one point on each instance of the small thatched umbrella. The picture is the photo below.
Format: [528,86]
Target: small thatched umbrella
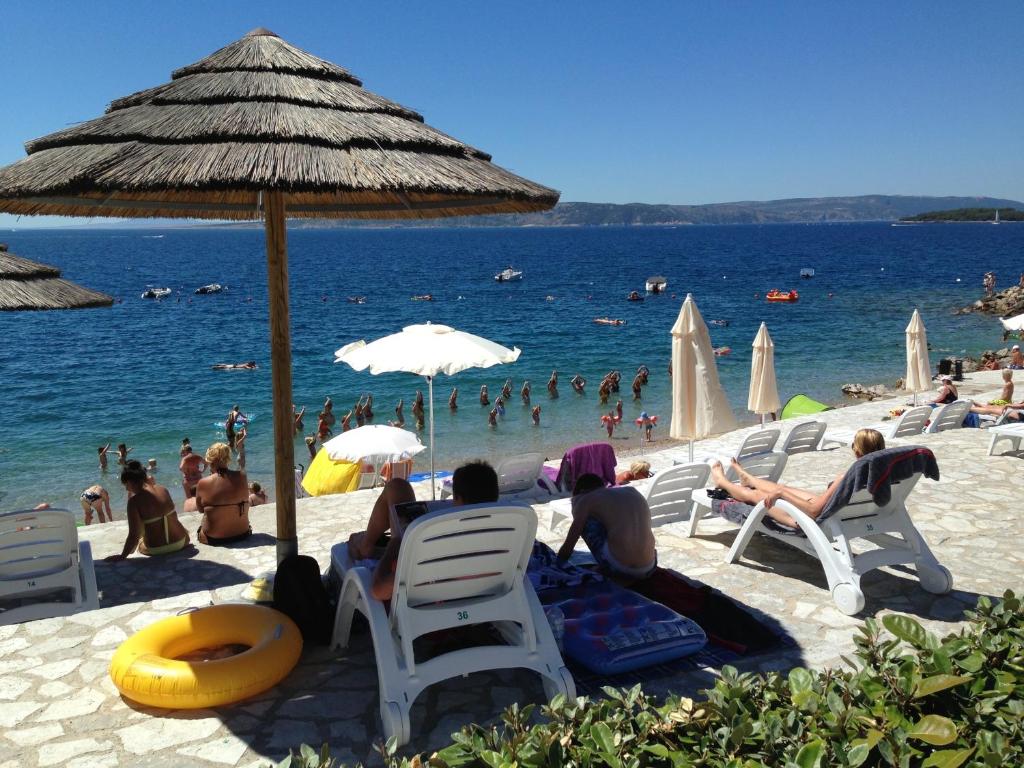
[28,284]
[261,129]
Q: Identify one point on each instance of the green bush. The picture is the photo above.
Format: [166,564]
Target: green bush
[911,699]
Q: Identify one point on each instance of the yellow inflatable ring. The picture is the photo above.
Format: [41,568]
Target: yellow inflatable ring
[145,666]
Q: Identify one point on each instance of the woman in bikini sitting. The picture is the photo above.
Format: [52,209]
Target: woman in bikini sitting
[753,490]
[153,525]
[223,500]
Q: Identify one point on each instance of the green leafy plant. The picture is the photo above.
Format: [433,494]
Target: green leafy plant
[908,699]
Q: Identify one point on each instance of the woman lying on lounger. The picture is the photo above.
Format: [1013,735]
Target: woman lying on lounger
[753,490]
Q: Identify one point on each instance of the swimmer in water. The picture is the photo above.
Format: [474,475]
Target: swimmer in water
[525,392]
[553,384]
[609,422]
[614,377]
[492,417]
[368,408]
[357,409]
[122,453]
[643,371]
[417,409]
[297,425]
[578,383]
[102,451]
[506,390]
[604,390]
[485,399]
[536,415]
[329,411]
[499,406]
[323,429]
[637,384]
[346,421]
[618,411]
[311,446]
[399,416]
[453,399]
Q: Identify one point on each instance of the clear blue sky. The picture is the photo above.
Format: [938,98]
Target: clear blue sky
[679,102]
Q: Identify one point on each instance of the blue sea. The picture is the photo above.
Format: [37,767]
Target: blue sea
[139,372]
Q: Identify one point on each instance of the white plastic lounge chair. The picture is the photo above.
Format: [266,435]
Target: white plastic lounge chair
[804,438]
[44,570]
[949,416]
[1013,433]
[519,476]
[670,496]
[829,539]
[767,466]
[759,441]
[910,424]
[367,480]
[455,568]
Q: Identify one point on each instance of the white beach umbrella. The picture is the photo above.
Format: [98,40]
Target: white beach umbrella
[919,368]
[699,405]
[374,442]
[426,350]
[763,397]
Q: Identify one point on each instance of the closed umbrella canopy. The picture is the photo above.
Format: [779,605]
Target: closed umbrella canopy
[426,350]
[373,442]
[919,369]
[263,130]
[763,397]
[699,405]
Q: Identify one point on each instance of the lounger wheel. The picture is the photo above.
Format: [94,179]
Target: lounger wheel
[937,580]
[560,683]
[848,599]
[395,722]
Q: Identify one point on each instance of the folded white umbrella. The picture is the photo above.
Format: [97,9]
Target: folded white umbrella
[919,368]
[375,442]
[426,350]
[763,397]
[699,405]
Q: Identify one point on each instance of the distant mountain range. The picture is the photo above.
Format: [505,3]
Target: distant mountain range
[793,211]
[799,210]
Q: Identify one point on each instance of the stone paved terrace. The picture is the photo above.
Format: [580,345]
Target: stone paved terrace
[58,706]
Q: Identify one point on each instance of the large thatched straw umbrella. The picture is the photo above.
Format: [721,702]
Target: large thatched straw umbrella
[28,284]
[261,129]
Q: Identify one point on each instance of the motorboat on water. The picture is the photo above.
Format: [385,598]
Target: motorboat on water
[634,296]
[424,297]
[508,275]
[656,284]
[719,323]
[156,293]
[202,290]
[776,295]
[609,321]
[356,299]
[807,272]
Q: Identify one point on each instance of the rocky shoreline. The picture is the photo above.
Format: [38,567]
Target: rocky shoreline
[1007,302]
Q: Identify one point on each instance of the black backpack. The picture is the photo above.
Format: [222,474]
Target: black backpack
[299,593]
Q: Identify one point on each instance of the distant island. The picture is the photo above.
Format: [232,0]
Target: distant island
[968,214]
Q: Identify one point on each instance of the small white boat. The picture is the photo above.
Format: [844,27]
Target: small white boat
[155,293]
[1015,323]
[508,275]
[210,288]
[656,284]
[807,272]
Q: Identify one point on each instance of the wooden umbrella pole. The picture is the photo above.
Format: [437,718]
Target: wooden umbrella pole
[281,366]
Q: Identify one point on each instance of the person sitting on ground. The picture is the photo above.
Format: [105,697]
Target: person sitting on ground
[638,470]
[472,483]
[947,393]
[615,523]
[1016,358]
[753,490]
[989,361]
[223,500]
[96,499]
[153,525]
[1006,396]
[257,495]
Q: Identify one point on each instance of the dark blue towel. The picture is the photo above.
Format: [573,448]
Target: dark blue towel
[876,473]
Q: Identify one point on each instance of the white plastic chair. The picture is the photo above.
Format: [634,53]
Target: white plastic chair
[766,466]
[830,540]
[456,568]
[519,476]
[949,416]
[670,496]
[804,438]
[910,424]
[41,562]
[759,441]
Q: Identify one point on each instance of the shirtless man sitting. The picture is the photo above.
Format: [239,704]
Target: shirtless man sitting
[615,523]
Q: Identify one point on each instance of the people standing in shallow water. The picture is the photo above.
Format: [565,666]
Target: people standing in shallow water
[578,383]
[637,384]
[492,417]
[311,446]
[368,408]
[535,413]
[399,415]
[240,446]
[618,410]
[417,409]
[191,468]
[525,392]
[96,499]
[614,377]
[499,406]
[297,425]
[485,399]
[453,399]
[357,409]
[102,451]
[553,384]
[328,411]
[122,454]
[506,390]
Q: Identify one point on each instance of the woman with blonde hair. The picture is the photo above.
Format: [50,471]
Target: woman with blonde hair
[223,500]
[753,490]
